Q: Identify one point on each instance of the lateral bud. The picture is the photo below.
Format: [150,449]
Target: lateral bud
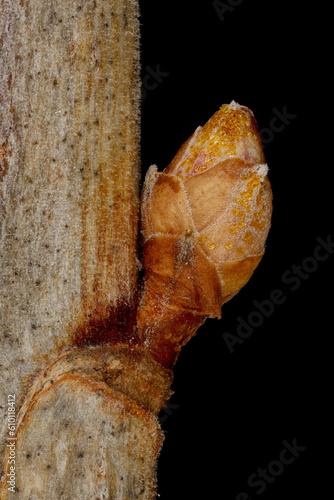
[205,220]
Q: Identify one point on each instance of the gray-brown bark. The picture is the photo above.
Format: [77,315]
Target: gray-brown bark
[88,429]
[69,135]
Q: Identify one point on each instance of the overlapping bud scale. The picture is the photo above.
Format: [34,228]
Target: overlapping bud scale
[205,220]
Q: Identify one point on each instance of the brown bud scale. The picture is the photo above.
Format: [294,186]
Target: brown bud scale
[205,220]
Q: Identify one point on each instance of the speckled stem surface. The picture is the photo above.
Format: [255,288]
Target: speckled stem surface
[69,169]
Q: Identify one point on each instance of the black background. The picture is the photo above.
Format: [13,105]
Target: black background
[231,412]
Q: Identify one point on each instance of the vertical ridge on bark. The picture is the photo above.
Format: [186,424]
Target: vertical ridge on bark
[69,154]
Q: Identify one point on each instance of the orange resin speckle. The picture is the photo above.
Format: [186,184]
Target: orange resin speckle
[230,132]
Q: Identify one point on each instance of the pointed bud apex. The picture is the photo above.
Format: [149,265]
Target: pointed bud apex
[230,133]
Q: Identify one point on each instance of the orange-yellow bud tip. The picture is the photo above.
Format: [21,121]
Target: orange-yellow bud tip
[230,132]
